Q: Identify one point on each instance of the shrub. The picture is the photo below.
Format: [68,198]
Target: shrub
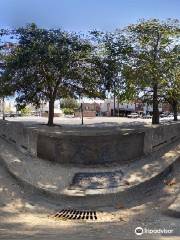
[25,111]
[68,111]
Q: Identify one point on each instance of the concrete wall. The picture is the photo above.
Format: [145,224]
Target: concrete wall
[93,149]
[158,136]
[24,138]
[89,145]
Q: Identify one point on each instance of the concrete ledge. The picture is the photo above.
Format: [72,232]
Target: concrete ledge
[89,146]
[24,138]
[158,136]
[56,180]
[91,150]
[174,208]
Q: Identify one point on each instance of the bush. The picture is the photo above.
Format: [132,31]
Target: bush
[69,103]
[68,111]
[26,111]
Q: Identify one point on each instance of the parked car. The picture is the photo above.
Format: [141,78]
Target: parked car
[7,114]
[163,115]
[148,116]
[12,115]
[133,115]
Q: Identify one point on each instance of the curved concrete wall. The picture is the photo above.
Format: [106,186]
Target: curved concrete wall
[88,146]
[91,150]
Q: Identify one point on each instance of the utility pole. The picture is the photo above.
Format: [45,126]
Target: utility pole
[114,105]
[3,108]
[114,99]
[81,107]
[82,117]
[118,107]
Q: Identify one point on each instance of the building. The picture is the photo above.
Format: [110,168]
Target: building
[89,110]
[43,111]
[166,107]
[123,109]
[9,106]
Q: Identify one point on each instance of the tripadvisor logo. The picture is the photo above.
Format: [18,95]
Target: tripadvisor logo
[139,231]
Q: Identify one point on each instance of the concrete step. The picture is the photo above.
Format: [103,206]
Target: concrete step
[174,208]
[96,185]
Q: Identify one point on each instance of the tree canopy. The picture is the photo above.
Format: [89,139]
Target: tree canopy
[49,64]
[152,42]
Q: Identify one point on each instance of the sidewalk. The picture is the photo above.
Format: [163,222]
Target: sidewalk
[95,185]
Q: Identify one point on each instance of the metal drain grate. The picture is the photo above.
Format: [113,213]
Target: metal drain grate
[72,214]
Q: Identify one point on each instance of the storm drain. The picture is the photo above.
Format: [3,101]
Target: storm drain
[71,214]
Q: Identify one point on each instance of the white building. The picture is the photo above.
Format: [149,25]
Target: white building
[147,108]
[107,107]
[9,106]
[122,109]
[44,109]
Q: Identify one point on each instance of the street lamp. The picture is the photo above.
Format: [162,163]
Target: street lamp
[81,107]
[3,108]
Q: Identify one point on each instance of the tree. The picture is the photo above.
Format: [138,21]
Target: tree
[50,64]
[151,41]
[5,86]
[171,90]
[25,111]
[112,52]
[70,103]
[173,94]
[128,90]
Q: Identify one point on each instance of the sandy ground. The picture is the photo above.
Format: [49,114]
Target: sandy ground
[24,215]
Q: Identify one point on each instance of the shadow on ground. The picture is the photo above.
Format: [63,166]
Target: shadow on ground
[24,215]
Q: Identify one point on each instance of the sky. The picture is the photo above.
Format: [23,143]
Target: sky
[84,15]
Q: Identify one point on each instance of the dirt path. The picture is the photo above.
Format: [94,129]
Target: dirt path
[23,215]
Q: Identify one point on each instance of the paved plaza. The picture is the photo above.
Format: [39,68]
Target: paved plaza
[30,189]
[24,215]
[90,121]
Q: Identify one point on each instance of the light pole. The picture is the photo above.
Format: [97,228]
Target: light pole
[82,118]
[3,108]
[81,107]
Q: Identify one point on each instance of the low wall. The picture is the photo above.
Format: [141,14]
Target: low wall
[158,136]
[25,138]
[45,114]
[85,114]
[88,146]
[91,149]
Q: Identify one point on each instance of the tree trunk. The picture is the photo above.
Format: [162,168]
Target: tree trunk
[155,118]
[51,113]
[175,111]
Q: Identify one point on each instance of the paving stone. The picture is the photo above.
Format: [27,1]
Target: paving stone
[97,180]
